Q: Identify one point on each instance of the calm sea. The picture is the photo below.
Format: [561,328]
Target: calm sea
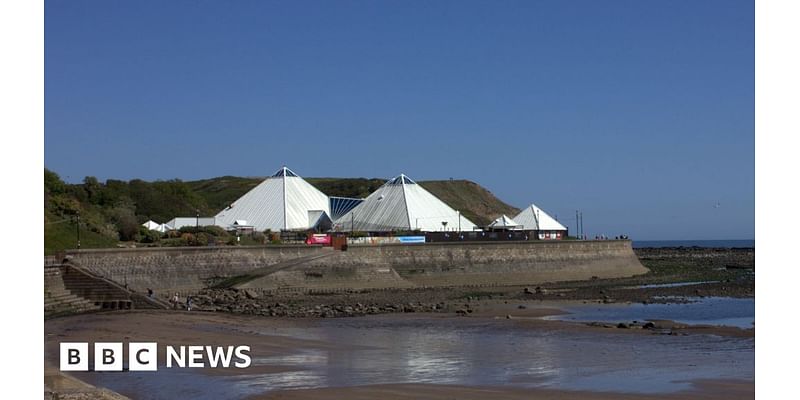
[694,243]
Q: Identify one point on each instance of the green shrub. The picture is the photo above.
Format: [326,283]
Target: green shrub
[148,236]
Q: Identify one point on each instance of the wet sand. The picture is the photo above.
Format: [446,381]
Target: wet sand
[703,390]
[183,328]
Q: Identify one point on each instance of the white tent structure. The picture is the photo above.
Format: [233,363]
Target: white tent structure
[284,201]
[533,218]
[179,222]
[154,226]
[402,204]
[504,223]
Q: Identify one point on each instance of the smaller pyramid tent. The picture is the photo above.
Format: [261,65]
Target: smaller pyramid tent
[504,222]
[154,226]
[402,204]
[534,218]
[284,201]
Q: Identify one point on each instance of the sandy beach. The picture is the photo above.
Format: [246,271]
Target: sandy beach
[468,343]
[224,329]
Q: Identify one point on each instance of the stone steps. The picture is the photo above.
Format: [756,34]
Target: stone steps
[71,292]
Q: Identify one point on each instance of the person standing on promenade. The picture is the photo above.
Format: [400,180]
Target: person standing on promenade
[175,301]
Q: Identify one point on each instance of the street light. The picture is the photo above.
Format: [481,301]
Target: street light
[78,227]
[197,220]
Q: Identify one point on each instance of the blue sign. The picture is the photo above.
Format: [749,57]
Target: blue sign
[411,239]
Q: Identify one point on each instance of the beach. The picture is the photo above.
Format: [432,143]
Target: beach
[501,342]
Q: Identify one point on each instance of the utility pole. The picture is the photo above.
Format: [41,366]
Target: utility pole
[577,226]
[78,228]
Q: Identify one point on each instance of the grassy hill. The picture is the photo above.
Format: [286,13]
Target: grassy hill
[61,233]
[473,200]
[112,211]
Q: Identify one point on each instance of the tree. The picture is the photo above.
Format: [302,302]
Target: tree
[126,223]
[92,188]
[53,183]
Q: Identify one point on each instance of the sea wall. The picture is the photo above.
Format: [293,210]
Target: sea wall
[183,269]
[493,263]
[360,267]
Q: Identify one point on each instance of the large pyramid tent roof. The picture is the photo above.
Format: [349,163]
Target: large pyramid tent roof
[402,204]
[534,218]
[284,201]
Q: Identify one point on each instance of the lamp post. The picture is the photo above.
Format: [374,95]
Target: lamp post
[197,218]
[458,215]
[78,227]
[577,226]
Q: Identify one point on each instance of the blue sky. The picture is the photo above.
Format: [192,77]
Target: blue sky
[638,113]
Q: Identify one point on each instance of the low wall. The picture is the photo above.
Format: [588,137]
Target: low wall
[494,263]
[183,269]
[381,266]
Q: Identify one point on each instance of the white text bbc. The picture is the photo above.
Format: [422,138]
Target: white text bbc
[108,356]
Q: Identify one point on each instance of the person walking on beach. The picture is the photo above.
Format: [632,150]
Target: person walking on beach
[175,302]
[150,293]
[188,303]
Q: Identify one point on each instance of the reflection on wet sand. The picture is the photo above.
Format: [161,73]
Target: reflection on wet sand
[420,349]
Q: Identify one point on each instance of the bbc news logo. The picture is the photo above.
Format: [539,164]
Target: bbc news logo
[108,356]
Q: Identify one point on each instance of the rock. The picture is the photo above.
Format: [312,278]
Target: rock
[622,325]
[250,294]
[649,325]
[521,307]
[508,316]
[540,290]
[461,312]
[528,291]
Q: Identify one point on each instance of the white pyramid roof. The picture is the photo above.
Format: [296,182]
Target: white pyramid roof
[155,226]
[152,225]
[534,218]
[504,222]
[402,204]
[281,202]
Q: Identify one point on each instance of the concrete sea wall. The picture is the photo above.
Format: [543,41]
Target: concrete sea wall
[367,267]
[183,268]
